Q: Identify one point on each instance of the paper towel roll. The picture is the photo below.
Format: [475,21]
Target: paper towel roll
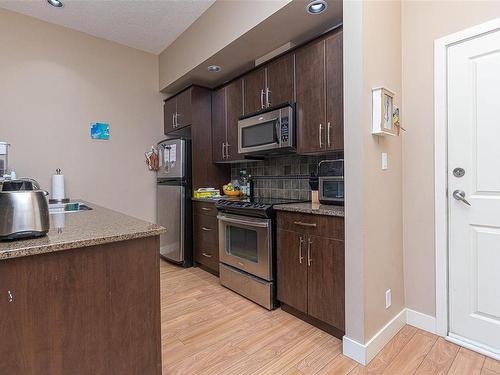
[58,187]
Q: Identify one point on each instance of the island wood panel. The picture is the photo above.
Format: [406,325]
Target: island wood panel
[92,310]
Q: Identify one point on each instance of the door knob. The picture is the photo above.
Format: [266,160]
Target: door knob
[459,195]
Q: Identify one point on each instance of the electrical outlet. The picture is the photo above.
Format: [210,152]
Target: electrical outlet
[385,161]
[388,298]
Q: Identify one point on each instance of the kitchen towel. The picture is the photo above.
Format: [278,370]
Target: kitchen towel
[58,187]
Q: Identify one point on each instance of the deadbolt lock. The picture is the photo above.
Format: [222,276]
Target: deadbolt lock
[458,172]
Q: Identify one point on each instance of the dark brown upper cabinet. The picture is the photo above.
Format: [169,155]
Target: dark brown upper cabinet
[169,109]
[320,95]
[227,107]
[177,111]
[281,80]
[269,86]
[254,85]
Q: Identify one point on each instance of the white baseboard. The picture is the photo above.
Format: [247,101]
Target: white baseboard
[364,353]
[422,321]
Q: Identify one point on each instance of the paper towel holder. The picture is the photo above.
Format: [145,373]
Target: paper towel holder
[59,201]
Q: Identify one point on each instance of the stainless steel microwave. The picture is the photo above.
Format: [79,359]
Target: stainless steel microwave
[268,132]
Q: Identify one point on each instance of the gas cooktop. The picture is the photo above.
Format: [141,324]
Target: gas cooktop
[261,207]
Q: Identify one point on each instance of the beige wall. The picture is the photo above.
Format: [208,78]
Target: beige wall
[53,83]
[374,244]
[422,23]
[221,24]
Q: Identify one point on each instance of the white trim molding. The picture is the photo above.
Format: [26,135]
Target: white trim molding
[364,353]
[440,164]
[422,321]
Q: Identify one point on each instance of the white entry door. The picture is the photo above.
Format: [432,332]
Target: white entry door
[474,230]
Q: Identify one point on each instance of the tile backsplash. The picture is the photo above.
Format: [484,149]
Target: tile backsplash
[284,176]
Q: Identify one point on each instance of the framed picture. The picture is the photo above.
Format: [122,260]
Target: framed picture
[383,108]
[99,130]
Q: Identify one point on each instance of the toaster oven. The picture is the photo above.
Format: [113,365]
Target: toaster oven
[331,182]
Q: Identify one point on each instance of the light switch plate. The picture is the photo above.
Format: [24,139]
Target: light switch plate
[388,298]
[385,161]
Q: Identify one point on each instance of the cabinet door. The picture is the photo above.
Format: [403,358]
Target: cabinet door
[218,124]
[334,93]
[234,109]
[254,86]
[292,269]
[281,80]
[325,284]
[184,109]
[310,76]
[169,108]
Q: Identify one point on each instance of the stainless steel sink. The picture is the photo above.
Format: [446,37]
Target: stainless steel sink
[57,208]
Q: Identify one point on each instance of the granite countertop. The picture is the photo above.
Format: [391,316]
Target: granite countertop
[312,208]
[81,229]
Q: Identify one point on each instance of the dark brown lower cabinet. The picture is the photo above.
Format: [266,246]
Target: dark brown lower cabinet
[206,236]
[310,269]
[292,269]
[94,310]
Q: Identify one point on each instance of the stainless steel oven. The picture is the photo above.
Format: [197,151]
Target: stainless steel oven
[246,243]
[267,132]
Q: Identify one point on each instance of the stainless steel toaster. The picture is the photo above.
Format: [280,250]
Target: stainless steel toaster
[23,214]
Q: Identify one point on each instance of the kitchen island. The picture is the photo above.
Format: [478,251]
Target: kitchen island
[85,299]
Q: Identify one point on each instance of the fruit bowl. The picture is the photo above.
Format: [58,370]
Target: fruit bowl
[232,193]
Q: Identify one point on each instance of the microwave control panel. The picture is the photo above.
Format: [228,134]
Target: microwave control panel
[284,130]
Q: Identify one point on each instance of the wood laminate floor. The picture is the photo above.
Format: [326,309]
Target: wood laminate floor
[207,329]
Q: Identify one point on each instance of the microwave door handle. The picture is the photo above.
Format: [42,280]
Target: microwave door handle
[277,129]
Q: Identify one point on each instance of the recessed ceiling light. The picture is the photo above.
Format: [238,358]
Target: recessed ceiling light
[214,68]
[316,6]
[55,3]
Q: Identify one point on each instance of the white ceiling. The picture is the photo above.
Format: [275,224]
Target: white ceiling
[148,25]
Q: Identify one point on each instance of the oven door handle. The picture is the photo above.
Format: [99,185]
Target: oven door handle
[244,222]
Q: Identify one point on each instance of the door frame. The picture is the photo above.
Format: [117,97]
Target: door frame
[441,174]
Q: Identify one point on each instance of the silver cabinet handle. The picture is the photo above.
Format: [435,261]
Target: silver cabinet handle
[320,135]
[205,209]
[459,195]
[268,100]
[301,258]
[227,150]
[328,134]
[206,229]
[301,223]
[223,150]
[173,120]
[262,98]
[309,259]
[206,255]
[10,297]
[176,119]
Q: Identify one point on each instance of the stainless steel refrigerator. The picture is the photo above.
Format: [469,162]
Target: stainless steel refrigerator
[174,200]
